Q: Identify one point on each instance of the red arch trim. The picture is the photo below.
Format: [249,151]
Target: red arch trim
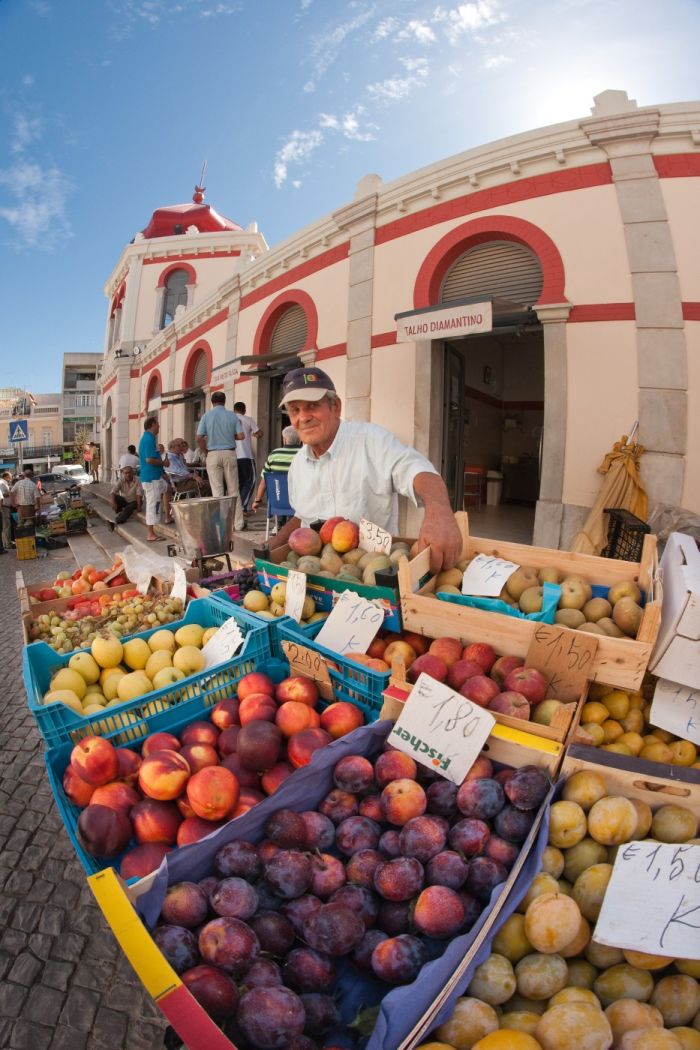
[154,381]
[489,228]
[118,298]
[188,370]
[266,325]
[189,270]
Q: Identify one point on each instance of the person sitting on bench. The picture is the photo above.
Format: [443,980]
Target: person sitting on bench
[180,476]
[126,496]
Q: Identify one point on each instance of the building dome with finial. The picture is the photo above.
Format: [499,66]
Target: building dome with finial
[176,219]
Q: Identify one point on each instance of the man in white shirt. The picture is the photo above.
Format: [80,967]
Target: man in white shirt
[129,459]
[244,452]
[357,470]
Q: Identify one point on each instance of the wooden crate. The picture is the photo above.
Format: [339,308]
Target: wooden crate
[619,662]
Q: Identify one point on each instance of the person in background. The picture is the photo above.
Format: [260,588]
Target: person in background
[180,477]
[95,462]
[168,494]
[25,495]
[129,458]
[278,462]
[195,457]
[126,497]
[217,433]
[6,509]
[152,481]
[357,470]
[244,452]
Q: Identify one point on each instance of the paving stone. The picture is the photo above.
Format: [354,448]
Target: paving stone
[80,1009]
[19,883]
[29,1036]
[26,917]
[18,839]
[96,975]
[34,857]
[68,1039]
[66,894]
[12,997]
[26,969]
[30,820]
[51,920]
[39,891]
[69,948]
[44,1004]
[145,1036]
[57,974]
[13,941]
[7,906]
[110,1027]
[40,944]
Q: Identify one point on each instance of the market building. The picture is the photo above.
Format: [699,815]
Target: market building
[516,307]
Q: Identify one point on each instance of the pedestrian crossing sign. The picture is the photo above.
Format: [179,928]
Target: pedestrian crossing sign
[19,430]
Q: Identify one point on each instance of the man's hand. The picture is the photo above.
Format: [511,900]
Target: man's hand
[439,530]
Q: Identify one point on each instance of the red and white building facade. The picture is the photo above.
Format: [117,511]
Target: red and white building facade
[583,236]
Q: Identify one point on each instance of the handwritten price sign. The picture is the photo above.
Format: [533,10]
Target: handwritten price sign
[305,662]
[669,876]
[351,625]
[677,709]
[295,594]
[374,539]
[441,729]
[486,576]
[223,645]
[564,656]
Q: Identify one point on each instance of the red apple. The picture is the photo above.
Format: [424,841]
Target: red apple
[503,666]
[480,690]
[461,671]
[429,663]
[482,653]
[448,649]
[528,681]
[510,703]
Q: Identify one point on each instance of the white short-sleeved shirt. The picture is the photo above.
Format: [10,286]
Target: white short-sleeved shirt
[244,448]
[360,476]
[128,460]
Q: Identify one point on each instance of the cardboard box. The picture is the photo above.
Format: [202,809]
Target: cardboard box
[676,655]
[620,662]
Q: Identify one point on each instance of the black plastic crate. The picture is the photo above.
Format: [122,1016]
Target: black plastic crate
[626,534]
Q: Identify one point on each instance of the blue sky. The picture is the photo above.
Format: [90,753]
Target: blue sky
[109,107]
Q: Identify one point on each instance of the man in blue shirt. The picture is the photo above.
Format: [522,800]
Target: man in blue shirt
[151,472]
[217,434]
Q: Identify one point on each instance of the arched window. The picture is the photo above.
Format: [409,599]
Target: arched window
[153,392]
[199,370]
[502,269]
[289,334]
[175,295]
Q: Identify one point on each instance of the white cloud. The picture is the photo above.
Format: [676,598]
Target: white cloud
[393,89]
[296,150]
[387,27]
[326,46]
[28,80]
[496,61]
[27,130]
[296,184]
[420,31]
[467,18]
[37,208]
[306,4]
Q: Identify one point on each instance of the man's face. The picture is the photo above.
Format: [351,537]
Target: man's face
[128,475]
[155,428]
[316,422]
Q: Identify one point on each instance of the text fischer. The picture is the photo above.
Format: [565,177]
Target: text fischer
[421,748]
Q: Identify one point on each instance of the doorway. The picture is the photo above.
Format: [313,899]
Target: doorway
[494,470]
[194,410]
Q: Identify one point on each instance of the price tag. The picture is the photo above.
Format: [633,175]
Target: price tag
[223,645]
[486,576]
[666,874]
[677,709]
[565,657]
[351,625]
[296,593]
[179,585]
[441,729]
[305,662]
[372,538]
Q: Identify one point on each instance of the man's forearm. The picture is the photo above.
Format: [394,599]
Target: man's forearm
[285,532]
[439,530]
[432,491]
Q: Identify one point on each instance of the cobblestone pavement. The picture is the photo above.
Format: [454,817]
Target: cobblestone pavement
[64,982]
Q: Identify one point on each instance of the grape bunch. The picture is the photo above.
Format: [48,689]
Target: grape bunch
[246,579]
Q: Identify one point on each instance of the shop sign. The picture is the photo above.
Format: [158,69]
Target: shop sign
[230,370]
[470,319]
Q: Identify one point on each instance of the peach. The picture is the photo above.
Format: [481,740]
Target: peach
[129,764]
[213,792]
[193,829]
[345,536]
[257,707]
[225,713]
[402,800]
[448,649]
[303,690]
[142,860]
[200,755]
[341,718]
[116,795]
[377,647]
[292,717]
[77,790]
[275,777]
[163,775]
[418,642]
[301,746]
[430,664]
[95,760]
[200,732]
[159,742]
[394,765]
[307,541]
[255,682]
[402,649]
[326,532]
[154,821]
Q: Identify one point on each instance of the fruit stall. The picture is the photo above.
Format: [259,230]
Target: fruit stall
[337,801]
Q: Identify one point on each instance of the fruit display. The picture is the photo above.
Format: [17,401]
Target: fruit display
[334,552]
[347,899]
[85,580]
[120,613]
[548,985]
[620,721]
[616,613]
[271,606]
[113,672]
[175,789]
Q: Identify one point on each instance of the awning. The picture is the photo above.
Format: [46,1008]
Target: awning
[268,365]
[462,317]
[178,397]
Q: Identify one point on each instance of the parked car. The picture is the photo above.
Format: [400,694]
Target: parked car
[53,483]
[73,472]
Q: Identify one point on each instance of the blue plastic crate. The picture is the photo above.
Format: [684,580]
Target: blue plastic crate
[351,681]
[131,720]
[309,630]
[169,721]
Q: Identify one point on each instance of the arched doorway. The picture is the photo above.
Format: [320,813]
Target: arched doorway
[196,376]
